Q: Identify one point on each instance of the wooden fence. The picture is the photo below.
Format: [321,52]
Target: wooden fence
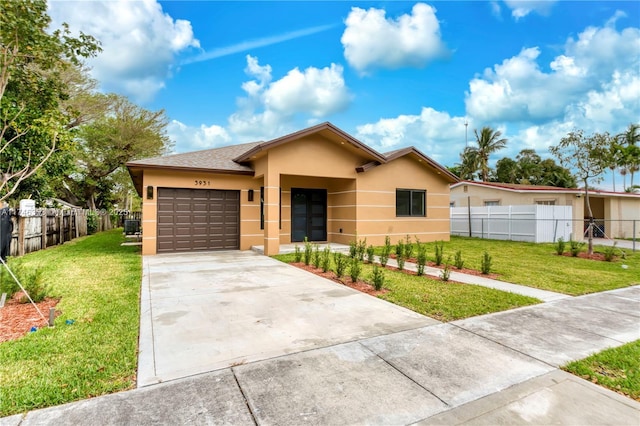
[51,227]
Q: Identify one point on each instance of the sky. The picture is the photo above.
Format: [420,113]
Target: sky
[390,73]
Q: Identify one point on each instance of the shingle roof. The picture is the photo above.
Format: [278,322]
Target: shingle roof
[209,159]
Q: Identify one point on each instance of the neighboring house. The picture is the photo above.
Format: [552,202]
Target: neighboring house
[615,212]
[319,183]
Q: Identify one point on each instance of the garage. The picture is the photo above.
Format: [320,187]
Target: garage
[198,219]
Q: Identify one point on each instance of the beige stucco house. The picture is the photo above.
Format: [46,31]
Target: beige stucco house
[615,212]
[319,183]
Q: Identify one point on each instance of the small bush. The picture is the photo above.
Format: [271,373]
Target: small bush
[445,274]
[400,260]
[341,262]
[560,246]
[485,265]
[361,249]
[297,254]
[408,248]
[371,254]
[316,256]
[325,261]
[610,252]
[35,287]
[400,248]
[422,257]
[575,247]
[457,261]
[377,276]
[355,269]
[92,222]
[439,252]
[353,249]
[386,252]
[7,283]
[308,251]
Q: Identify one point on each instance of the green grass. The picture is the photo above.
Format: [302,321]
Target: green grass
[444,301]
[98,283]
[537,265]
[617,369]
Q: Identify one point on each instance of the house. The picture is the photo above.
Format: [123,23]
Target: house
[319,183]
[617,214]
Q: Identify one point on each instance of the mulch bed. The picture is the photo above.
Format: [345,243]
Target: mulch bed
[585,255]
[17,319]
[359,285]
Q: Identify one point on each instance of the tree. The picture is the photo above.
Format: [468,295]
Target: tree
[507,171]
[587,156]
[32,125]
[627,147]
[127,132]
[489,141]
[468,166]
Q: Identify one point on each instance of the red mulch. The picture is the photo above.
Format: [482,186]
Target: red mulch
[16,319]
[585,255]
[360,285]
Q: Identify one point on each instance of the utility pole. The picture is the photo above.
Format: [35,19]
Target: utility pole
[466,124]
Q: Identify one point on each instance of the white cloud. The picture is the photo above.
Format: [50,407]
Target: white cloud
[520,89]
[435,133]
[140,42]
[188,138]
[270,106]
[371,40]
[521,8]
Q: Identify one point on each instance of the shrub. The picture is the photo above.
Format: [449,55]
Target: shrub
[400,260]
[408,248]
[355,269]
[370,254]
[7,283]
[422,257]
[458,260]
[341,263]
[35,287]
[316,256]
[92,222]
[386,251]
[439,252]
[308,250]
[361,249]
[353,248]
[445,274]
[325,262]
[560,246]
[485,265]
[377,276]
[609,252]
[400,248]
[297,254]
[575,247]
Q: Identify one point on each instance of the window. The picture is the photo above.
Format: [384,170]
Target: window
[546,202]
[410,202]
[489,203]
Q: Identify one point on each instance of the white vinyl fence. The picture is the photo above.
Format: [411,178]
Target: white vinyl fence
[532,223]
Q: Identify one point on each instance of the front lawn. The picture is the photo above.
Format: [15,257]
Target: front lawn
[444,301]
[538,265]
[98,283]
[617,369]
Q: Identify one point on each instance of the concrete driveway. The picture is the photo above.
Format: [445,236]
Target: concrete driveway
[207,311]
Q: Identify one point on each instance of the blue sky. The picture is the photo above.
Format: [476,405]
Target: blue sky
[392,74]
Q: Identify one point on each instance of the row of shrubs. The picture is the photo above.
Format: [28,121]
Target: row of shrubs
[576,247]
[403,250]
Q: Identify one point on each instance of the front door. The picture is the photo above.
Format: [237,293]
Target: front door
[308,214]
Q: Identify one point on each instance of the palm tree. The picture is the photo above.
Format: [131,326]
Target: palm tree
[488,141]
[468,166]
[630,151]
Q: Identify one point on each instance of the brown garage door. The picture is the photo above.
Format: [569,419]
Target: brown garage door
[198,219]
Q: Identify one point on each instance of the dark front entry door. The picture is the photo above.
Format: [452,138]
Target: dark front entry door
[308,214]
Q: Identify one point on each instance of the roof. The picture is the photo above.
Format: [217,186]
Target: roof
[515,187]
[235,159]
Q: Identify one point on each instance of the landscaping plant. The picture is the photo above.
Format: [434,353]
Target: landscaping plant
[609,252]
[308,251]
[575,247]
[400,260]
[439,252]
[408,248]
[386,252]
[316,256]
[355,269]
[457,261]
[445,274]
[377,276]
[361,249]
[370,254]
[485,265]
[340,261]
[326,259]
[298,254]
[422,257]
[560,246]
[353,248]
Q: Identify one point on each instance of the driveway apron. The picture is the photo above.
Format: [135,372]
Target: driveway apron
[202,312]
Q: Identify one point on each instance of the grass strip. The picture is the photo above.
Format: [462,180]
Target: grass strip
[98,283]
